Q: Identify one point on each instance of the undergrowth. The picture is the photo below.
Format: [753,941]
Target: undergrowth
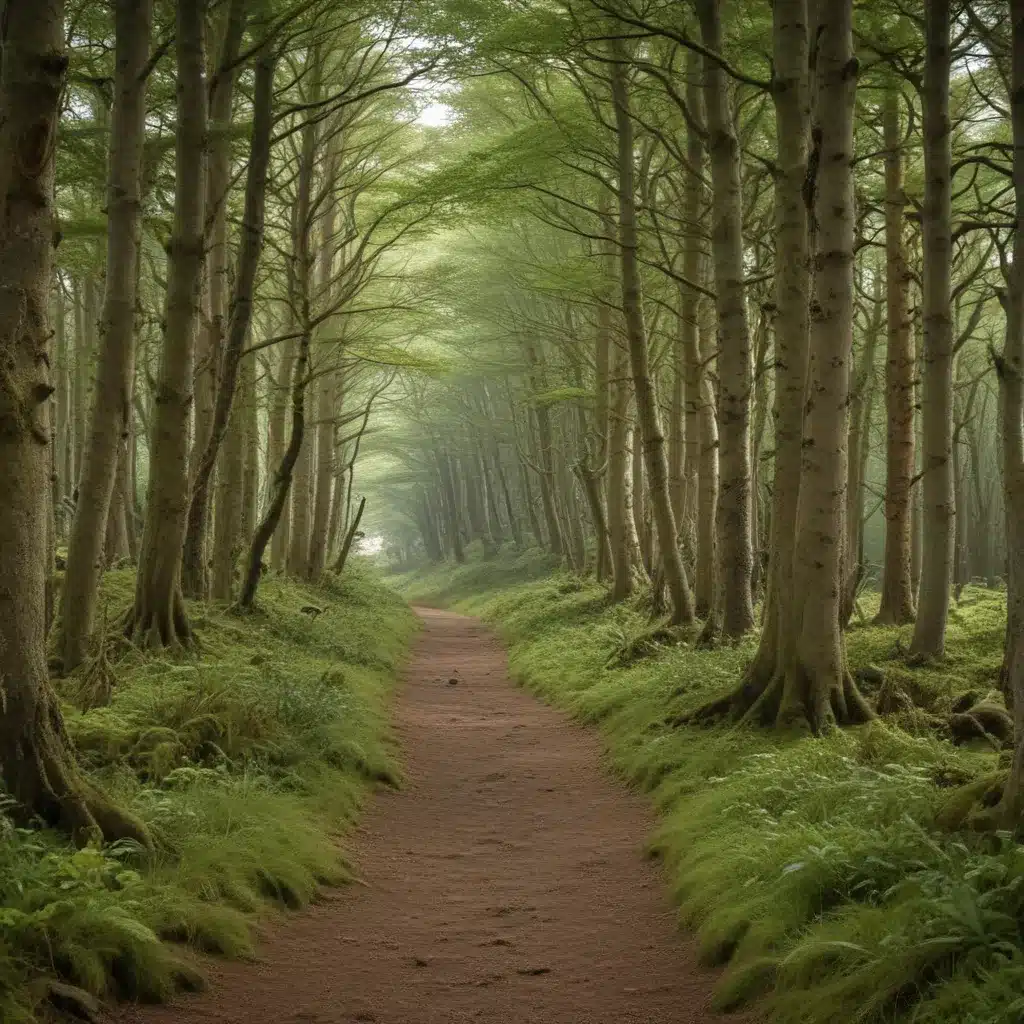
[814,868]
[247,762]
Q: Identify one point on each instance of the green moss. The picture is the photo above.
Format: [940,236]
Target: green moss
[248,763]
[813,867]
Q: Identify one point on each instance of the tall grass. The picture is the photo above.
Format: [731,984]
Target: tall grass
[248,763]
[814,868]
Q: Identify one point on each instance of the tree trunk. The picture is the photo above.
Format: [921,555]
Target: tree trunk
[350,535]
[282,479]
[111,414]
[707,496]
[734,384]
[655,459]
[210,337]
[64,438]
[819,690]
[158,617]
[228,540]
[799,676]
[194,559]
[531,511]
[276,444]
[36,759]
[444,463]
[937,372]
[1011,384]
[861,398]
[897,605]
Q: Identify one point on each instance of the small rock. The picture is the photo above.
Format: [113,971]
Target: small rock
[534,971]
[453,681]
[420,962]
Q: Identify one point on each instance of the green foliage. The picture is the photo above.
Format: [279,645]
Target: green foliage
[812,867]
[246,764]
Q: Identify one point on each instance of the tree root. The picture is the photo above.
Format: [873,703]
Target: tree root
[155,628]
[786,701]
[47,784]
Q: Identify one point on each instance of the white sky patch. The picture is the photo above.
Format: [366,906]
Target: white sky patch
[435,115]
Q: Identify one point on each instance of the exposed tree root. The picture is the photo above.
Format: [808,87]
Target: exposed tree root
[45,783]
[155,628]
[788,700]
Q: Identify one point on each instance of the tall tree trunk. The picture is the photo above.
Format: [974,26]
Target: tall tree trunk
[707,494]
[444,462]
[228,540]
[937,373]
[282,480]
[861,398]
[111,414]
[689,328]
[655,459]
[36,758]
[158,617]
[531,510]
[819,688]
[276,444]
[230,344]
[64,438]
[619,503]
[897,605]
[210,337]
[1011,384]
[791,92]
[734,384]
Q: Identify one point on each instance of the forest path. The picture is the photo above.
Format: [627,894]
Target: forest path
[505,883]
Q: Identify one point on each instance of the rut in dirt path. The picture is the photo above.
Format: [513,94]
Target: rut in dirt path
[505,883]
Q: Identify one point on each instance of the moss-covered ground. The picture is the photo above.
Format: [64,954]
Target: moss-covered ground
[833,876]
[248,761]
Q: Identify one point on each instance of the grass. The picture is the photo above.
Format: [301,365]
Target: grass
[247,762]
[815,869]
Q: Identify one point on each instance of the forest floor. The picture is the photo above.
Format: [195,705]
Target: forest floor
[504,882]
[845,877]
[248,760]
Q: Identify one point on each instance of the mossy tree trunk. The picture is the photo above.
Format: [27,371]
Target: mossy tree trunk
[214,374]
[799,676]
[937,498]
[1011,384]
[99,499]
[36,759]
[897,605]
[158,617]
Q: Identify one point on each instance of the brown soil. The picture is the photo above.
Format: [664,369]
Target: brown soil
[505,883]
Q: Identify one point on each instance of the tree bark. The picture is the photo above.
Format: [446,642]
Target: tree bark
[36,759]
[282,479]
[735,547]
[655,459]
[860,405]
[937,372]
[444,463]
[277,444]
[1011,385]
[210,337]
[111,414]
[158,617]
[194,559]
[897,604]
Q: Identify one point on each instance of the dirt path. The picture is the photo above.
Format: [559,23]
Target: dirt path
[505,883]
